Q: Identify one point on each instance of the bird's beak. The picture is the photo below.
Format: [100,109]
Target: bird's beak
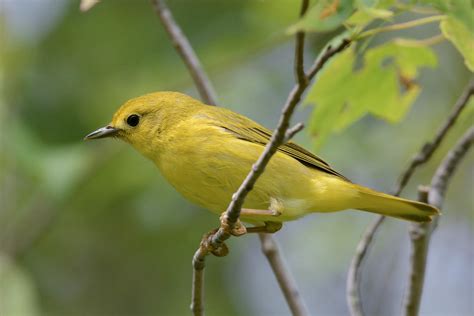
[102,132]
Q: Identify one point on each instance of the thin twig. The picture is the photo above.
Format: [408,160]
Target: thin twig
[286,282]
[290,132]
[320,62]
[420,233]
[429,148]
[197,299]
[439,183]
[299,50]
[425,153]
[400,26]
[354,300]
[186,52]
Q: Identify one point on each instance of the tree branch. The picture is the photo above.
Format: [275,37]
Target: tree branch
[354,300]
[430,147]
[419,240]
[420,233]
[299,49]
[290,132]
[425,153]
[445,171]
[287,283]
[186,51]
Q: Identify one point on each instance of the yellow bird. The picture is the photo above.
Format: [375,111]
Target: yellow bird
[205,152]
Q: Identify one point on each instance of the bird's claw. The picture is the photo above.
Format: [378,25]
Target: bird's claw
[238,228]
[220,251]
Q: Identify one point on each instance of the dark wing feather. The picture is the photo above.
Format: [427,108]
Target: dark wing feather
[260,135]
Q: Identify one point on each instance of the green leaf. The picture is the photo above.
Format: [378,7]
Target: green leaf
[59,169]
[384,87]
[368,12]
[463,39]
[458,9]
[62,168]
[325,16]
[407,58]
[333,76]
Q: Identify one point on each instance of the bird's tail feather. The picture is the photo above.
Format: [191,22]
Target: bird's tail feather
[389,205]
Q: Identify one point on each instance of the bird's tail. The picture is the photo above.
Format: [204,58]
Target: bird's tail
[389,205]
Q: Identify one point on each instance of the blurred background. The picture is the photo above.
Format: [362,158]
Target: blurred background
[93,229]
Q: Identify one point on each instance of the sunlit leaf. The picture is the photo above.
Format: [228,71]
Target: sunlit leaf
[326,15]
[324,115]
[461,37]
[384,86]
[408,58]
[370,10]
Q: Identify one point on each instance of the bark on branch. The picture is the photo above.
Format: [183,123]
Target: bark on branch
[426,152]
[287,284]
[420,233]
[186,51]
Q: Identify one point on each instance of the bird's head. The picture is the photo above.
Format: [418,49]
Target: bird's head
[141,121]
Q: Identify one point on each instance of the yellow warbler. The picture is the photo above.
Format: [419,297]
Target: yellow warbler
[205,152]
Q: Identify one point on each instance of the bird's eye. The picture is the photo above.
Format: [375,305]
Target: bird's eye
[133,120]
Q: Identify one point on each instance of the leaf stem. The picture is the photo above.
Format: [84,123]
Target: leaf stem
[399,26]
[421,42]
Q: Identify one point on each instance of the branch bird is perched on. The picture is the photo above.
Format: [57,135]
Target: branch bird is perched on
[205,152]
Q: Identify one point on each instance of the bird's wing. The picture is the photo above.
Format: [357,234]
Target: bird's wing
[252,132]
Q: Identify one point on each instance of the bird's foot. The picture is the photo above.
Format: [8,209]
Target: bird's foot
[238,229]
[220,251]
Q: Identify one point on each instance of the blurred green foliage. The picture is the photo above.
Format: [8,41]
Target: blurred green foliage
[462,37]
[16,290]
[357,94]
[92,228]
